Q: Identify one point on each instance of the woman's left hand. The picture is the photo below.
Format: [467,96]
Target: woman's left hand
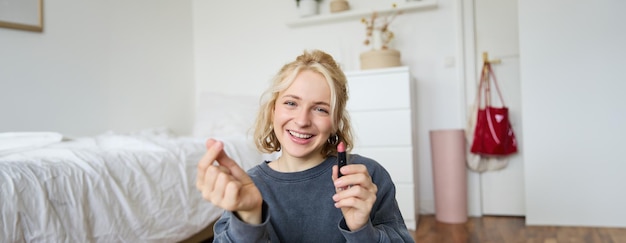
[355,194]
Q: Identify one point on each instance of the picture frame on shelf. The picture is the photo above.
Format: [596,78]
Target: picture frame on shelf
[22,15]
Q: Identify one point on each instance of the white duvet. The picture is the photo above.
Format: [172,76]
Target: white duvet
[109,188]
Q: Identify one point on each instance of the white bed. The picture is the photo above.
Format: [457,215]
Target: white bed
[114,187]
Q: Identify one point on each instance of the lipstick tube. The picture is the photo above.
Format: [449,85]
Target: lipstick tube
[341,157]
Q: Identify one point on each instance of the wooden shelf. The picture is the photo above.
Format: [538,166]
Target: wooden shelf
[360,13]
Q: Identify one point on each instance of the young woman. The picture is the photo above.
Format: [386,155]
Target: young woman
[299,196]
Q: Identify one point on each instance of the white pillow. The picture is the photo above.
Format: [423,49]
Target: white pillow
[225,114]
[17,141]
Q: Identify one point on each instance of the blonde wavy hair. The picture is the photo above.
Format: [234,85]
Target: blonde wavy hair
[324,64]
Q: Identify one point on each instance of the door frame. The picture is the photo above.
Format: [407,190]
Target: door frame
[466,66]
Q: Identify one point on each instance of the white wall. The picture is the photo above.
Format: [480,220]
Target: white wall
[573,83]
[98,66]
[238,49]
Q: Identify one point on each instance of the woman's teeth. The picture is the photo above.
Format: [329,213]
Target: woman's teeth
[300,135]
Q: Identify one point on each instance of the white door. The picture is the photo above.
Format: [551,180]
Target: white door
[496,32]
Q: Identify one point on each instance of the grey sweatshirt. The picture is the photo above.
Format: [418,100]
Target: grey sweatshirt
[298,207]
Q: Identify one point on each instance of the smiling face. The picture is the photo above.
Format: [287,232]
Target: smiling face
[324,83]
[302,121]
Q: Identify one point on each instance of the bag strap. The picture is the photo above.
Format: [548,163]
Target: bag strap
[479,92]
[486,73]
[485,78]
[495,82]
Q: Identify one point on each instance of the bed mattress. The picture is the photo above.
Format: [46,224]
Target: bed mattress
[137,187]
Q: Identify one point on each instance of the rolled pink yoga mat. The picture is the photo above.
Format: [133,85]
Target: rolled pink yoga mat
[449,175]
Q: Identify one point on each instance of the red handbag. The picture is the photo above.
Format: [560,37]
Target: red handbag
[493,134]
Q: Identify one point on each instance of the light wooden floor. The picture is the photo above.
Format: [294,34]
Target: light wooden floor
[509,229]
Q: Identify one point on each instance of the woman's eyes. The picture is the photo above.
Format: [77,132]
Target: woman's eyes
[316,108]
[320,109]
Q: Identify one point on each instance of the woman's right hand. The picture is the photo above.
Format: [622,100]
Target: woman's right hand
[227,185]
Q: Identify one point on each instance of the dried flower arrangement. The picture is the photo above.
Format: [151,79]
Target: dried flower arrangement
[382,25]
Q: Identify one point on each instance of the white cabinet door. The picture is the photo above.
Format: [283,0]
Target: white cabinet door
[398,161]
[383,128]
[378,91]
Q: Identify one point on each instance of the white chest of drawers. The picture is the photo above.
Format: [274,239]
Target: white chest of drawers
[381,107]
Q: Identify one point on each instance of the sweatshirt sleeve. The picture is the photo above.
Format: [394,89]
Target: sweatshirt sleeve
[386,222]
[229,228]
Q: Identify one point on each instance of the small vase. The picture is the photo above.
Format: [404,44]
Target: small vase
[380,59]
[339,6]
[377,39]
[307,8]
